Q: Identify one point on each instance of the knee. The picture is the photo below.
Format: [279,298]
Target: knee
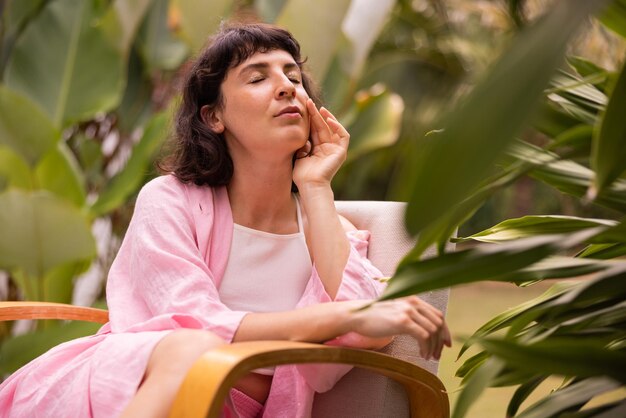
[177,352]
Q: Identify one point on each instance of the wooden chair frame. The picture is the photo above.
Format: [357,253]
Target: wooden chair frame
[206,386]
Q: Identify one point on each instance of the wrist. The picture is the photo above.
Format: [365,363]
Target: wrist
[315,189]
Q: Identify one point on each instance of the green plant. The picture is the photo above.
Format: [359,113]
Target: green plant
[577,329]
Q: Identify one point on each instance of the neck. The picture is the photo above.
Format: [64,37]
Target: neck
[260,197]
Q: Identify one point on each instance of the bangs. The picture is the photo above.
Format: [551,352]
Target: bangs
[239,43]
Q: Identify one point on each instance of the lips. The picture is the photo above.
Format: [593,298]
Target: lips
[289,111]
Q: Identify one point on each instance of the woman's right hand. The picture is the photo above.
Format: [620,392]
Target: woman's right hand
[409,315]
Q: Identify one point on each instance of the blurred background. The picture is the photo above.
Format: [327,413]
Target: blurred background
[87,89]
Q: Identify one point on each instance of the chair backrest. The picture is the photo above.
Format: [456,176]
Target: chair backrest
[362,393]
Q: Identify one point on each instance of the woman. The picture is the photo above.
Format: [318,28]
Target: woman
[222,250]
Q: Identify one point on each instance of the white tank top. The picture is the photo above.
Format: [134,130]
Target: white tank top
[266,272]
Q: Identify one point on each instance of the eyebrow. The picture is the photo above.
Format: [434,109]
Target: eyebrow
[265,65]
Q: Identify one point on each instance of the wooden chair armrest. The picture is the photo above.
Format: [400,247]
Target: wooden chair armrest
[207,384]
[11,311]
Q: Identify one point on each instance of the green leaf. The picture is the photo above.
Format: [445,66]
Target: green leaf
[122,20]
[562,356]
[127,181]
[603,251]
[17,351]
[33,225]
[579,91]
[158,47]
[269,10]
[507,317]
[528,226]
[479,381]
[377,123]
[58,283]
[577,137]
[317,27]
[24,127]
[597,320]
[615,234]
[199,19]
[591,70]
[607,286]
[572,396]
[136,105]
[59,172]
[608,157]
[521,394]
[361,26]
[567,176]
[489,262]
[614,17]
[64,62]
[552,119]
[452,164]
[14,170]
[470,365]
[15,17]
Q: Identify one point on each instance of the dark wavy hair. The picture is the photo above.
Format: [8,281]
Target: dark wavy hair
[198,154]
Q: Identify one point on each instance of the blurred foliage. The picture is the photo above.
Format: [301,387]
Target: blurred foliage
[534,115]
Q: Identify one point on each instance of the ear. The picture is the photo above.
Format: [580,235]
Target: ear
[212,119]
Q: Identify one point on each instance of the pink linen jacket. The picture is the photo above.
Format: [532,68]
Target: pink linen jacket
[166,276]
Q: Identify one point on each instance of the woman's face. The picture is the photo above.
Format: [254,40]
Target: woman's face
[264,106]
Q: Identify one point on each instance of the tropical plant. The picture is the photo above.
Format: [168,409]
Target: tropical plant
[577,329]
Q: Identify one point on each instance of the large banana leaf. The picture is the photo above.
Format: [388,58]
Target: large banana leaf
[15,15]
[127,181]
[59,172]
[65,63]
[158,47]
[269,10]
[24,127]
[122,21]
[40,232]
[450,166]
[377,122]
[13,170]
[16,352]
[199,18]
[317,27]
[361,26]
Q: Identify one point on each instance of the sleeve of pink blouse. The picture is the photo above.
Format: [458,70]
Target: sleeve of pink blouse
[359,281]
[360,277]
[160,278]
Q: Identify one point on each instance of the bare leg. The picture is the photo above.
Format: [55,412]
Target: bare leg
[172,357]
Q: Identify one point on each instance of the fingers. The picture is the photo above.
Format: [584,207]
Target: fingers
[320,132]
[324,126]
[434,332]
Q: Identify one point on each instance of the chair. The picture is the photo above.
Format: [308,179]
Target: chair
[404,384]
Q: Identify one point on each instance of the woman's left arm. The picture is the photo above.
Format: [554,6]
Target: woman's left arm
[313,174]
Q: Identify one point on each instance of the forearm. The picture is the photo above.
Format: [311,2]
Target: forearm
[327,238]
[315,323]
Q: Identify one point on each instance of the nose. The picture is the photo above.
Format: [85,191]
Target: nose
[285,88]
